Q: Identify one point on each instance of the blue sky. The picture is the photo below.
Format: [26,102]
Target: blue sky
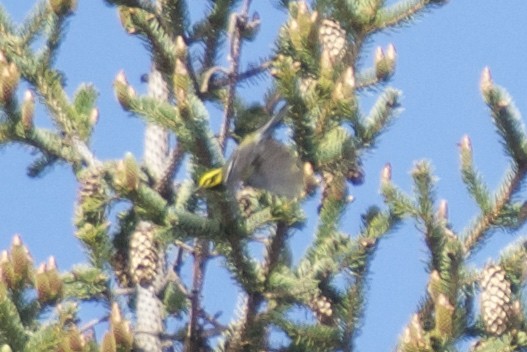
[440,59]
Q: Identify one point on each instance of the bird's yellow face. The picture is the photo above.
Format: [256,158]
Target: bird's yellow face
[211,178]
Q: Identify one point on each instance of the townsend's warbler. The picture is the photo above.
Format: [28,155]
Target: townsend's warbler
[260,162]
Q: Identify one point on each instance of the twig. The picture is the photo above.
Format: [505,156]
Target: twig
[238,22]
[123,291]
[85,153]
[200,261]
[212,320]
[220,82]
[173,276]
[183,247]
[178,263]
[217,326]
[275,248]
[192,71]
[93,322]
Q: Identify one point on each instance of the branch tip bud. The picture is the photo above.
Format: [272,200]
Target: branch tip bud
[52,263]
[391,53]
[17,241]
[386,173]
[465,143]
[442,212]
[94,116]
[486,83]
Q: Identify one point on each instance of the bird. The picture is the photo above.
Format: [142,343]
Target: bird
[261,162]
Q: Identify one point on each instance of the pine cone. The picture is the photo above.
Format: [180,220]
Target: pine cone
[145,262]
[496,305]
[90,185]
[355,175]
[90,198]
[306,84]
[332,39]
[311,181]
[414,337]
[321,306]
[120,267]
[334,188]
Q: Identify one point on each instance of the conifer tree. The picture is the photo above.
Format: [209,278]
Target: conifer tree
[136,251]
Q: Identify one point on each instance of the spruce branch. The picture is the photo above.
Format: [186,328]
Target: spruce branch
[149,108]
[440,314]
[211,31]
[154,34]
[355,263]
[30,29]
[511,129]
[274,248]
[188,120]
[444,246]
[7,27]
[47,336]
[306,337]
[55,34]
[249,328]
[53,146]
[506,118]
[511,260]
[424,191]
[48,85]
[86,282]
[352,307]
[472,179]
[367,79]
[481,226]
[401,12]
[379,118]
[49,143]
[174,16]
[250,325]
[192,224]
[241,264]
[382,70]
[145,5]
[12,330]
[193,114]
[40,165]
[425,197]
[85,153]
